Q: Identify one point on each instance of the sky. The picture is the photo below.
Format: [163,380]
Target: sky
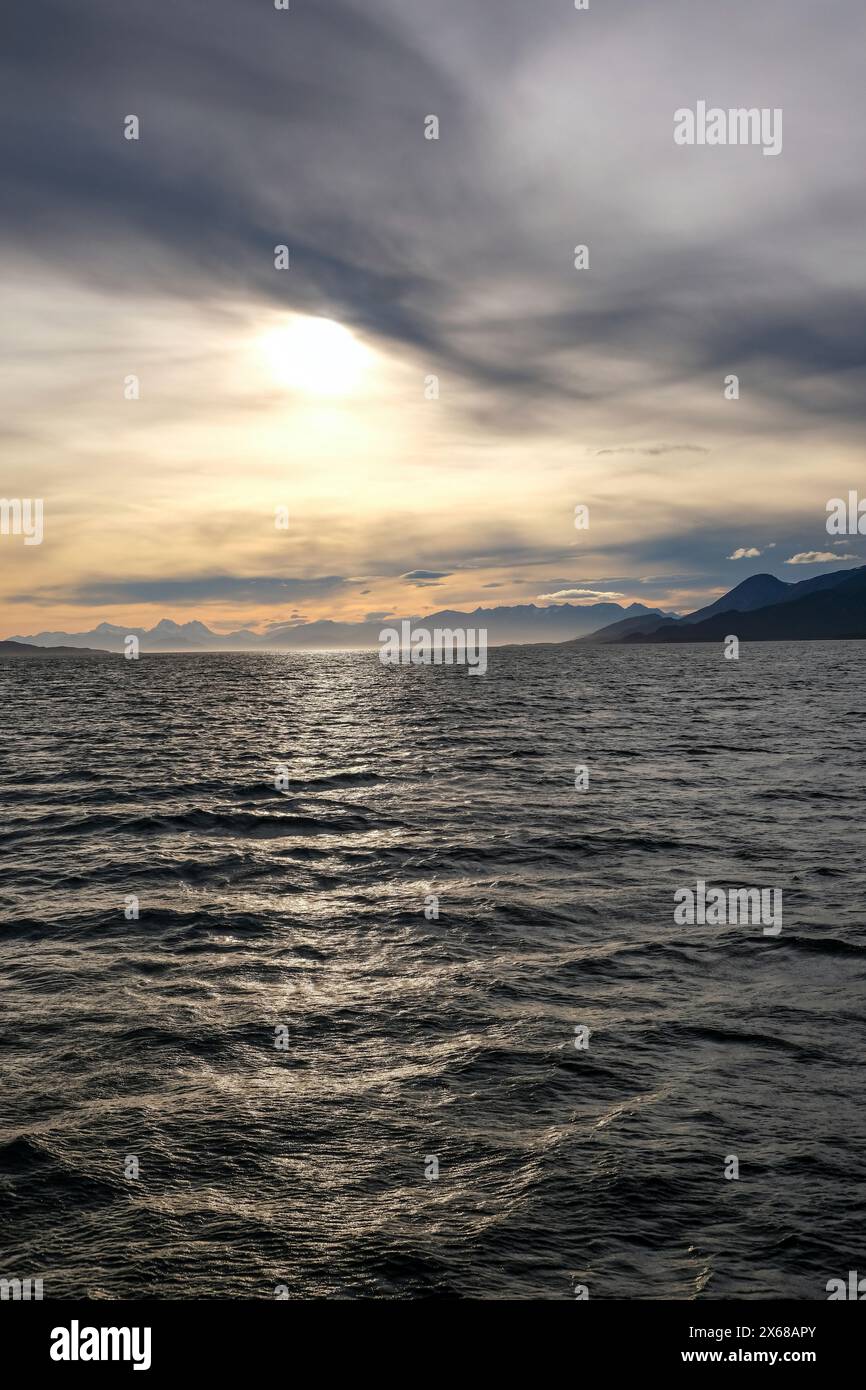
[406,417]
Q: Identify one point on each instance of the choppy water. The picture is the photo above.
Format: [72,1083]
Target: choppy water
[409,1038]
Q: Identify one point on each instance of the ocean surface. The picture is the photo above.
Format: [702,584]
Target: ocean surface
[408,1040]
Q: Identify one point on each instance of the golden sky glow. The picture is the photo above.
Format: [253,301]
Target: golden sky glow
[308,388]
[242,411]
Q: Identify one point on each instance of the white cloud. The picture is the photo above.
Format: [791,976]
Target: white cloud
[597,595]
[743,554]
[817,557]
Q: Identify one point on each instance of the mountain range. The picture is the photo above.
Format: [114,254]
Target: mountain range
[761,609]
[518,624]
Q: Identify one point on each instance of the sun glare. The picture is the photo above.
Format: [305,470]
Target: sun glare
[315,355]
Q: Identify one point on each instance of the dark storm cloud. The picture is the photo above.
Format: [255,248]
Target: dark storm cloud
[306,127]
[425,576]
[205,589]
[229,101]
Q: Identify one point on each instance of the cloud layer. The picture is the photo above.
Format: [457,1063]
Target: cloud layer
[451,259]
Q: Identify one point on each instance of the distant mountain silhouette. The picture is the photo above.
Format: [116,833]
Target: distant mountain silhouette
[759,591]
[520,623]
[617,632]
[823,614]
[763,590]
[762,608]
[16,649]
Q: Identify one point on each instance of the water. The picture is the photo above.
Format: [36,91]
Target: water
[452,1038]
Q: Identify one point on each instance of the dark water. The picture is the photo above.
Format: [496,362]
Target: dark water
[455,1038]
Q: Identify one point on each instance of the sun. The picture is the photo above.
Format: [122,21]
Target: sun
[317,356]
